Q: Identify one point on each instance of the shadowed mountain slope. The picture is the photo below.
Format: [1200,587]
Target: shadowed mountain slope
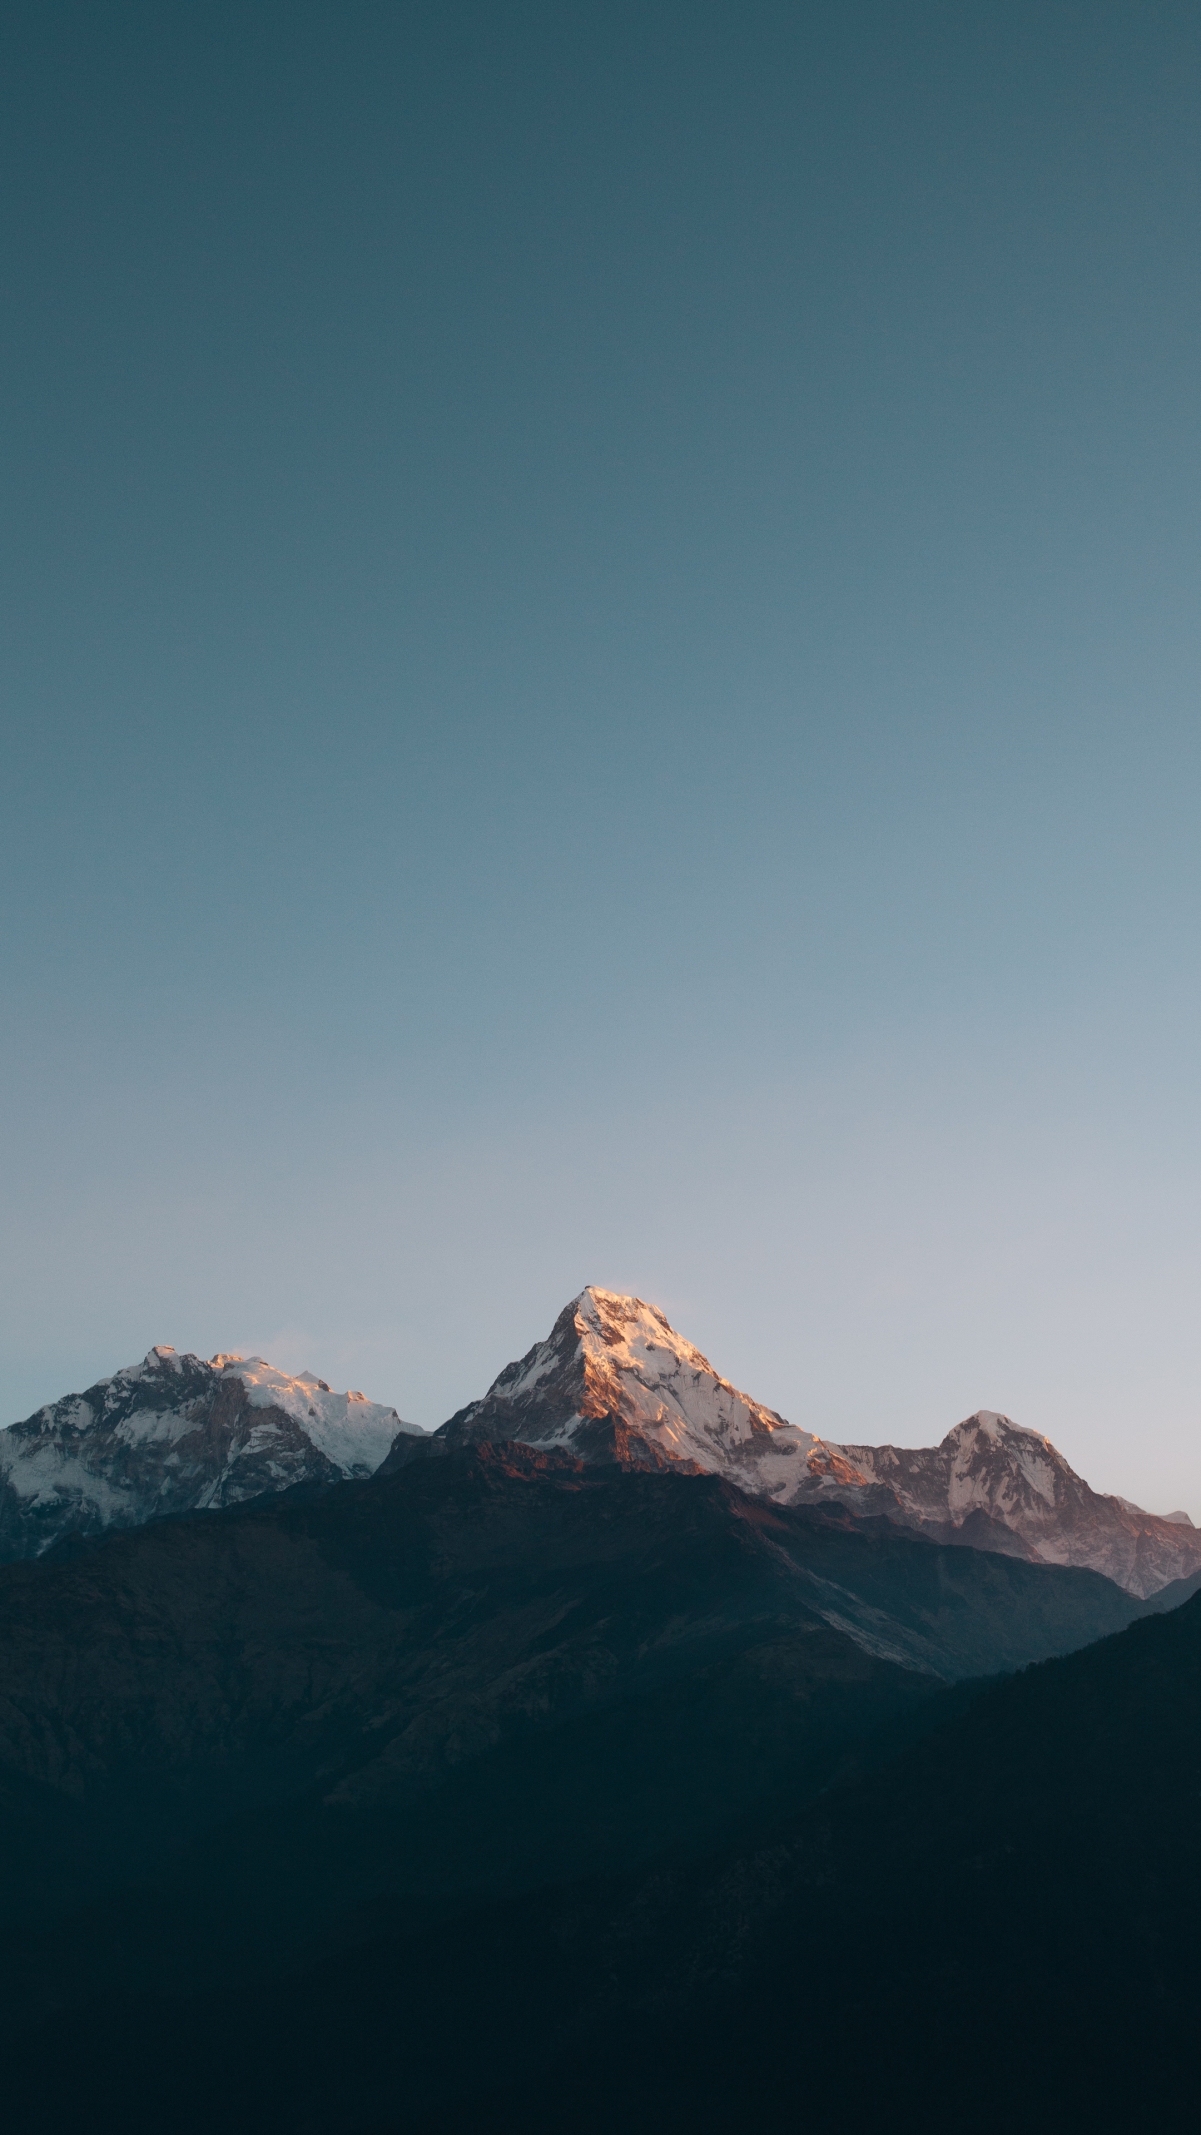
[965,1906]
[996,1928]
[468,1676]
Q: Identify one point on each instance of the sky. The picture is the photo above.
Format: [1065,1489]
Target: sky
[599,669]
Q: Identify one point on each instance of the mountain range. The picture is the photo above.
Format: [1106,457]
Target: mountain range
[336,1773]
[595,1760]
[613,1383]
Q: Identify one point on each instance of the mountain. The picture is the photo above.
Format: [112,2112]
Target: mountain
[988,1468]
[994,1928]
[654,1774]
[365,1647]
[612,1384]
[402,1788]
[174,1434]
[613,1381]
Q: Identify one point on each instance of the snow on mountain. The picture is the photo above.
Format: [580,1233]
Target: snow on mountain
[614,1377]
[177,1434]
[614,1381]
[991,1468]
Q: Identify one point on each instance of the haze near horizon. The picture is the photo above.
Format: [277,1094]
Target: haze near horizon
[599,684]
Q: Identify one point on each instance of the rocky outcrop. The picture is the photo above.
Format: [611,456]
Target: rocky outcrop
[179,1434]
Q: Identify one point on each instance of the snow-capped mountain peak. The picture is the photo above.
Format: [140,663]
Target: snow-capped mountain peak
[179,1433]
[351,1431]
[615,1381]
[985,1464]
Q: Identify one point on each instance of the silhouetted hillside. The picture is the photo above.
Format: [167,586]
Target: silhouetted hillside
[411,1790]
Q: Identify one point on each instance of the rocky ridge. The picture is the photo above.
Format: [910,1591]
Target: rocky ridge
[179,1434]
[989,1468]
[613,1381]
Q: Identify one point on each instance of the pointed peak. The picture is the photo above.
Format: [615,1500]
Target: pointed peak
[991,1423]
[634,1333]
[614,1364]
[609,1310]
[621,1303]
[163,1357]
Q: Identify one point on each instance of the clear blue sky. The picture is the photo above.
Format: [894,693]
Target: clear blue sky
[600,683]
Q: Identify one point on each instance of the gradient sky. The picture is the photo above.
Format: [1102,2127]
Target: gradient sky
[600,683]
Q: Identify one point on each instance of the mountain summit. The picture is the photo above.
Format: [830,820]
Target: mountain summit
[989,1472]
[179,1434]
[613,1381]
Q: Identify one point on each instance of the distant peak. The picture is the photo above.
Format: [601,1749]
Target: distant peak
[163,1353]
[621,1302]
[616,1316]
[991,1423]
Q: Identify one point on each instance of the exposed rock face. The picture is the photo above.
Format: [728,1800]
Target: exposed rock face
[178,1434]
[614,1382]
[992,1467]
